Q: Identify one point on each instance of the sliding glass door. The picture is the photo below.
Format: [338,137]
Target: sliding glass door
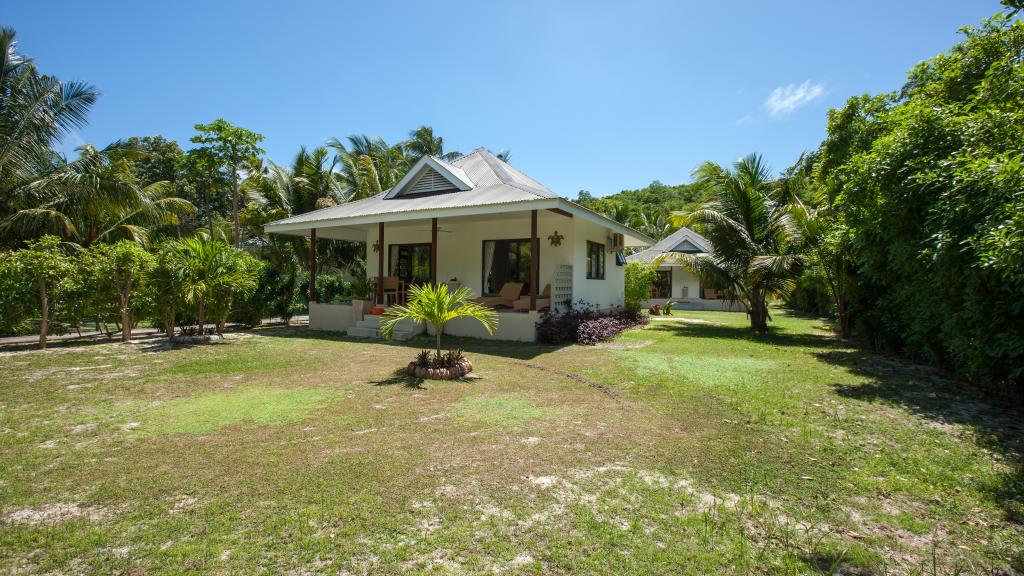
[506,261]
[410,262]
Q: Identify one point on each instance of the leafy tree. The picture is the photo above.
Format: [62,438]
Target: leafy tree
[233,148]
[640,277]
[928,183]
[757,246]
[45,265]
[422,142]
[159,159]
[122,265]
[204,184]
[434,304]
[646,209]
[165,281]
[16,295]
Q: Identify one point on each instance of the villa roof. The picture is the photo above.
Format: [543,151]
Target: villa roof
[476,183]
[683,240]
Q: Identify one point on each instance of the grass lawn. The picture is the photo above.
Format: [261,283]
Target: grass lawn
[691,446]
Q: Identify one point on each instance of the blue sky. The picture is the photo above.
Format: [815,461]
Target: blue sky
[588,95]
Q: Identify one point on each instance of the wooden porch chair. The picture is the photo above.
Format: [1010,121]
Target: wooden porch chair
[394,287]
[506,297]
[543,300]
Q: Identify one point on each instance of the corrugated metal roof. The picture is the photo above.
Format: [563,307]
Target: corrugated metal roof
[666,245]
[494,182]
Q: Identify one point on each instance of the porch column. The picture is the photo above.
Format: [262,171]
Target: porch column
[534,261]
[433,250]
[380,264]
[312,265]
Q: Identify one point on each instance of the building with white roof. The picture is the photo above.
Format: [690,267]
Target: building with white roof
[481,223]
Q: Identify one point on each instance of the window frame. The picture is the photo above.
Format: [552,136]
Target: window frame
[483,273]
[595,248]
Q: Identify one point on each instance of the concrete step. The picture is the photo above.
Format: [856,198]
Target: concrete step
[370,321]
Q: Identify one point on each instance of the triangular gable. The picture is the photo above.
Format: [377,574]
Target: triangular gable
[686,247]
[430,175]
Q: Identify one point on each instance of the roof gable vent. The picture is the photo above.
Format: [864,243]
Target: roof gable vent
[430,181]
[686,247]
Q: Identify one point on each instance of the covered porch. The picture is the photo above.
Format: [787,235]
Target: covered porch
[476,222]
[490,254]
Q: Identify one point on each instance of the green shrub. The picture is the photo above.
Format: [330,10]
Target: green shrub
[640,277]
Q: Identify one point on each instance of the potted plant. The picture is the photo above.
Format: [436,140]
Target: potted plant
[362,296]
[434,304]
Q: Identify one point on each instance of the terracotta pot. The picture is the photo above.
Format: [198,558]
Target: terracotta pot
[411,369]
[420,372]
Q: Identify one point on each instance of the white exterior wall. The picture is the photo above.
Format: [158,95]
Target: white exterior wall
[514,326]
[683,278]
[607,293]
[460,245]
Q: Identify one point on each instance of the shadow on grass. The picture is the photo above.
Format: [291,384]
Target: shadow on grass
[932,394]
[400,377]
[501,348]
[776,335]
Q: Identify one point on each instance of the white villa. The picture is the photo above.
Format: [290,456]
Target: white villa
[676,282]
[476,222]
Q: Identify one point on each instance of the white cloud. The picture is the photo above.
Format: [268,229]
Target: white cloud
[786,99]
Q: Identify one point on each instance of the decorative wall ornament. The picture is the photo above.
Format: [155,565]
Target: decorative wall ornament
[556,239]
[376,246]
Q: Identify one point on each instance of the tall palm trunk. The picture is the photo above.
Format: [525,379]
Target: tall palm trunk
[169,322]
[758,312]
[202,317]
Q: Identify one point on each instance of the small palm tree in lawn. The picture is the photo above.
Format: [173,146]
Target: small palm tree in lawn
[436,305]
[749,221]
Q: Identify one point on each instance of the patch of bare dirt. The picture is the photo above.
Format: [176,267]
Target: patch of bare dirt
[56,513]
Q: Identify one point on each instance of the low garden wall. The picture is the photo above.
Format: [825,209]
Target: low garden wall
[331,317]
[513,326]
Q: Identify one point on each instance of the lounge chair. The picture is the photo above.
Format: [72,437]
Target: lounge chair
[543,300]
[506,297]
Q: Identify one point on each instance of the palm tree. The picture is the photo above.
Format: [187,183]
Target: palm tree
[422,142]
[751,228]
[36,111]
[828,248]
[208,274]
[368,165]
[436,305]
[97,201]
[653,223]
[619,212]
[310,184]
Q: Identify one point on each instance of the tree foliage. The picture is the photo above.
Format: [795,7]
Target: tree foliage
[436,305]
[640,277]
[929,183]
[232,149]
[758,253]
